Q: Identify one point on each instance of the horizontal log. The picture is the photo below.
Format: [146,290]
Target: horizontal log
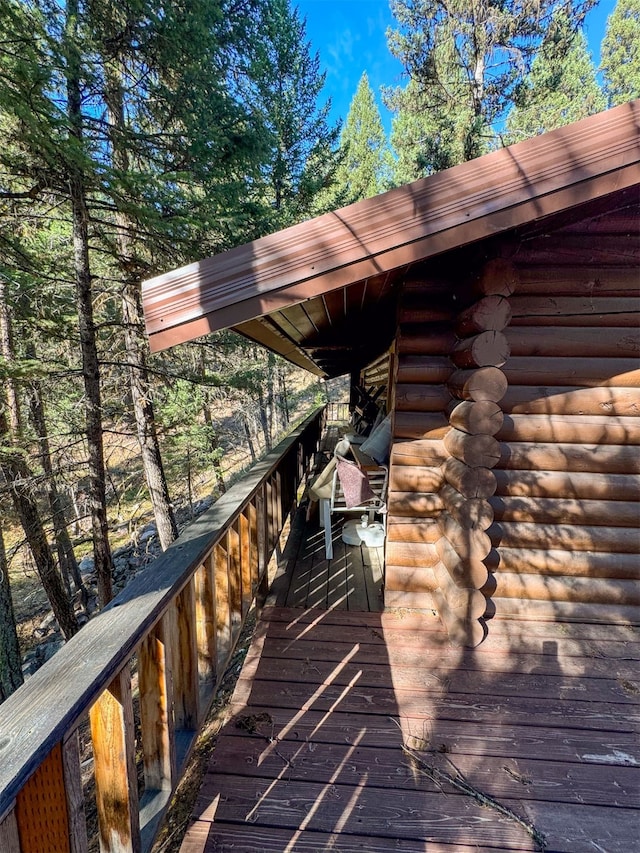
[579,281]
[563,484]
[489,314]
[469,544]
[409,578]
[497,277]
[584,429]
[595,459]
[423,339]
[424,369]
[488,349]
[569,511]
[420,313]
[579,590]
[571,370]
[421,398]
[602,311]
[564,611]
[467,602]
[415,504]
[470,482]
[482,383]
[478,451]
[477,418]
[522,534]
[579,341]
[434,425]
[470,573]
[424,451]
[596,564]
[570,400]
[470,513]
[462,630]
[404,529]
[411,600]
[410,478]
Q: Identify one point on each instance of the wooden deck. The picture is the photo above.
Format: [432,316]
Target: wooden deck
[542,719]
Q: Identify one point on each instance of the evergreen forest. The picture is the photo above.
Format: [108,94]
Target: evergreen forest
[139,136]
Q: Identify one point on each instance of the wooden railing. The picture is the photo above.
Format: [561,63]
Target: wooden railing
[174,627]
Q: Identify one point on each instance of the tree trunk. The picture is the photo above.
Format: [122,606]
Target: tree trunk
[66,556]
[7,351]
[10,660]
[249,437]
[264,418]
[133,334]
[84,303]
[18,477]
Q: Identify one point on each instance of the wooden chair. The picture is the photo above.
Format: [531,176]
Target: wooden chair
[378,476]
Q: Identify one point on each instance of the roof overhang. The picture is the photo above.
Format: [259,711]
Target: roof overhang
[300,290]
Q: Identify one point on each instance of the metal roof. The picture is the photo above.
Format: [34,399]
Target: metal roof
[312,291]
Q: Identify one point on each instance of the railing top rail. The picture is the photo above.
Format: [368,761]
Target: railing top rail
[50,703]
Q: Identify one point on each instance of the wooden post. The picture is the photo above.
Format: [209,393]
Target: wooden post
[254,548]
[156,701]
[113,736]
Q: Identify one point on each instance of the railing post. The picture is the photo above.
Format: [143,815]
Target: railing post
[113,736]
[254,549]
[156,710]
[262,534]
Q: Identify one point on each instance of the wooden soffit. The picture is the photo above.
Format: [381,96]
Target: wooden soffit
[376,240]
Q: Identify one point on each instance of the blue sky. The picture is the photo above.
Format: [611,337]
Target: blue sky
[350,37]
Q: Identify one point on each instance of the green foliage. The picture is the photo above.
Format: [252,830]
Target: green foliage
[620,53]
[284,86]
[465,63]
[365,166]
[561,88]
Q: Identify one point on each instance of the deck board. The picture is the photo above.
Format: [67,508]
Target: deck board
[544,718]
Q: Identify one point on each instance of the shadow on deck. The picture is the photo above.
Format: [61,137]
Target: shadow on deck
[369,732]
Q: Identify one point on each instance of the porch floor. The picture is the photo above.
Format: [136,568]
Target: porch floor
[347,728]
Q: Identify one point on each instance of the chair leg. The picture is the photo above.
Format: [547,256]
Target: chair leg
[325,512]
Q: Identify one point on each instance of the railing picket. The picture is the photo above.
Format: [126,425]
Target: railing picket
[156,720]
[206,626]
[189,610]
[223,602]
[185,675]
[245,562]
[235,579]
[261,520]
[75,795]
[9,838]
[113,736]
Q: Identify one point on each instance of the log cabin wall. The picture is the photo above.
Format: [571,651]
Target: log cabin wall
[515,470]
[567,504]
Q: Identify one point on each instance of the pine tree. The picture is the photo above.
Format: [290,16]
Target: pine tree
[466,61]
[558,91]
[620,53]
[284,88]
[365,166]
